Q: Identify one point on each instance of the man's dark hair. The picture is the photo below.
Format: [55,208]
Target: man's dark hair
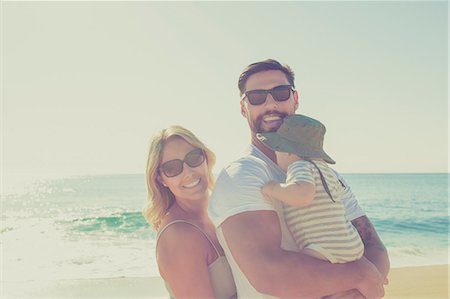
[261,66]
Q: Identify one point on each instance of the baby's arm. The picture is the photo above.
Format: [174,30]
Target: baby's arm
[299,194]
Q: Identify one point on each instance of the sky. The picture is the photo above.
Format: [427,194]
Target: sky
[86,84]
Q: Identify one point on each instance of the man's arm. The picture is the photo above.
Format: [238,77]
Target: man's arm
[374,249]
[254,239]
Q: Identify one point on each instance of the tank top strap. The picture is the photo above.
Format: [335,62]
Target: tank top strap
[194,225]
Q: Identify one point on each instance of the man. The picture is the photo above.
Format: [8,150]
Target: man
[251,229]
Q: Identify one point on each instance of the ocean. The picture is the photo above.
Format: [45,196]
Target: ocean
[92,226]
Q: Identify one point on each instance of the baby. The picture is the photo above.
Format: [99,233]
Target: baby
[311,196]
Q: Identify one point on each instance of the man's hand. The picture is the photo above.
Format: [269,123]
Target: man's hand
[372,283]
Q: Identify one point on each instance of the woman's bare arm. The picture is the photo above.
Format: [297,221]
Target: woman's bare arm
[182,256]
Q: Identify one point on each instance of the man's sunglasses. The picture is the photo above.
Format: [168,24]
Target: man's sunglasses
[174,167]
[279,93]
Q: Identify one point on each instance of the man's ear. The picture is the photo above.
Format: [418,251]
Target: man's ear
[295,100]
[243,111]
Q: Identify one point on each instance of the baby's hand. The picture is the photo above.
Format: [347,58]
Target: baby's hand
[268,188]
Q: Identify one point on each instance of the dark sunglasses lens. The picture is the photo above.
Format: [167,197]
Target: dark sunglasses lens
[281,93]
[195,158]
[172,168]
[257,97]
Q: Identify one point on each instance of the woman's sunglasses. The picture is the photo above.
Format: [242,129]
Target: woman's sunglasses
[259,96]
[174,167]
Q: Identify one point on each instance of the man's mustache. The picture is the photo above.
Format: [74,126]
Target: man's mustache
[282,115]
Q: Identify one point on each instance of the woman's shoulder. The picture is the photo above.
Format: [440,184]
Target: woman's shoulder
[181,245]
[179,237]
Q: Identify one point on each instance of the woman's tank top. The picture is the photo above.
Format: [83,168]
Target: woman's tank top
[219,270]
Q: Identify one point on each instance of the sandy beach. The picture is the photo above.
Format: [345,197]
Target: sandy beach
[125,287]
[408,282]
[419,282]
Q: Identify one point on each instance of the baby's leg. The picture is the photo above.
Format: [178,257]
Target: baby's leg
[314,254]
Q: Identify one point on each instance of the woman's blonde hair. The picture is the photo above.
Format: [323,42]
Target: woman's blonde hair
[160,198]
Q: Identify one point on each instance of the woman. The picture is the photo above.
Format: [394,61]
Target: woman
[179,180]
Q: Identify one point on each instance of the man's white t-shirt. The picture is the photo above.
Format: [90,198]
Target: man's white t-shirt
[238,189]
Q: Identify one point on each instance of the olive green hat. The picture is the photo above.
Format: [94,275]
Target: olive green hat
[300,135]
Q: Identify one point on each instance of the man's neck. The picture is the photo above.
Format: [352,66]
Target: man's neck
[264,149]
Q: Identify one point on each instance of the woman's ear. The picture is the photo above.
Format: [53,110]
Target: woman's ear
[160,180]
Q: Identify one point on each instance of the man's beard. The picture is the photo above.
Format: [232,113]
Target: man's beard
[258,123]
